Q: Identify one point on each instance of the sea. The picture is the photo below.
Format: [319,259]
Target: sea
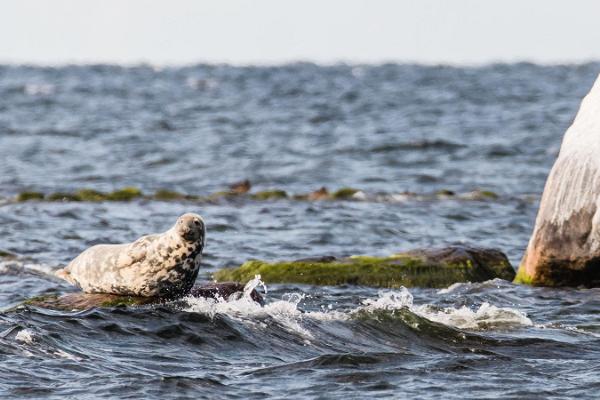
[419,142]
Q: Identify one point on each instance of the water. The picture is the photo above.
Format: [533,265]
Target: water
[384,129]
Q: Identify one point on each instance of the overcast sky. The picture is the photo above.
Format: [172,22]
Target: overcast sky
[277,31]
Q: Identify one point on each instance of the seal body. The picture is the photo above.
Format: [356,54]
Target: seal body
[160,265]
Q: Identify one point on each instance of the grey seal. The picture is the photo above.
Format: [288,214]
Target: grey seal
[160,265]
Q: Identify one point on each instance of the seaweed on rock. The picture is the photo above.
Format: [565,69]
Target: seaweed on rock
[418,268]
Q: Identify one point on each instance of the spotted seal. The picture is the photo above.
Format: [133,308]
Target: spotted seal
[161,265]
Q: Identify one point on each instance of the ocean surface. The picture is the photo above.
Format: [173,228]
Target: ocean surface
[400,133]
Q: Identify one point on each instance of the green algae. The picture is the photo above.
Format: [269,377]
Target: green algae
[62,196]
[124,301]
[169,195]
[386,272]
[6,254]
[90,195]
[125,194]
[27,196]
[132,193]
[344,193]
[222,194]
[488,194]
[270,195]
[523,278]
[37,300]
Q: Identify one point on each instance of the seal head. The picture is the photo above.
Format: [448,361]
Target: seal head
[191,228]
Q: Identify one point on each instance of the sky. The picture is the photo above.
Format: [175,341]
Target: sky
[176,32]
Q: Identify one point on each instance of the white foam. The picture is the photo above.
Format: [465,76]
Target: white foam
[25,336]
[453,287]
[68,356]
[287,313]
[485,317]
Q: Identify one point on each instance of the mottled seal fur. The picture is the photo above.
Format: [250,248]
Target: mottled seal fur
[161,265]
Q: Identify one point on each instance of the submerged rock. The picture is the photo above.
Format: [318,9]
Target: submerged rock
[564,249]
[418,268]
[83,301]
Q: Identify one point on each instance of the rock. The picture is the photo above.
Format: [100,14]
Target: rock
[445,193]
[125,194]
[270,195]
[480,195]
[321,194]
[564,249]
[83,301]
[240,187]
[344,193]
[418,268]
[26,196]
[169,195]
[7,255]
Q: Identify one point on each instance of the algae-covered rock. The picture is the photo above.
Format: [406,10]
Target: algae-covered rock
[166,195]
[62,196]
[125,194]
[83,301]
[26,196]
[480,195]
[7,255]
[90,195]
[270,194]
[418,268]
[344,193]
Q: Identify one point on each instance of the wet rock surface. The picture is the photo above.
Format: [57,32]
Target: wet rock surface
[83,301]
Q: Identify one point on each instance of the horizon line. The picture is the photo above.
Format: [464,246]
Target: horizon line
[281,63]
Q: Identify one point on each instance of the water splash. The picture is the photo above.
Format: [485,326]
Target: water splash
[286,311]
[245,309]
[486,317]
[25,336]
[253,284]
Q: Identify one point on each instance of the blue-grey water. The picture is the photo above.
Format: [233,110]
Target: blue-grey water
[386,130]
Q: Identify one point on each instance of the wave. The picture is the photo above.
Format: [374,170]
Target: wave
[287,312]
[18,267]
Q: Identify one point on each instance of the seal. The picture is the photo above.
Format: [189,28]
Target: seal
[161,265]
